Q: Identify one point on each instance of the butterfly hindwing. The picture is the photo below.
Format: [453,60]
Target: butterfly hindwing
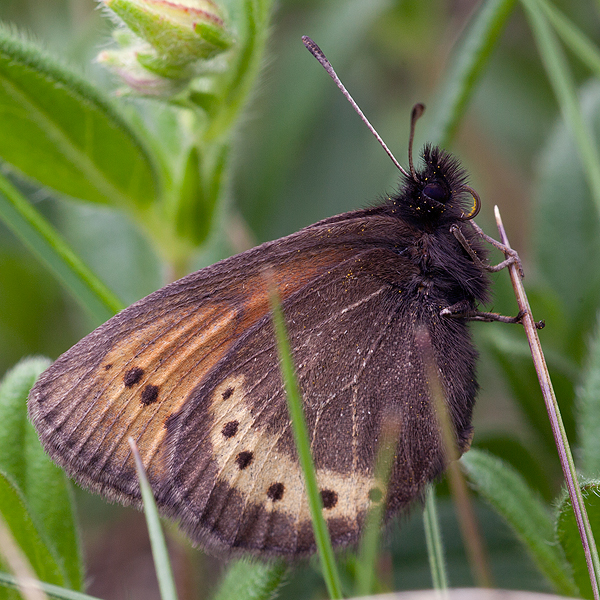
[237,481]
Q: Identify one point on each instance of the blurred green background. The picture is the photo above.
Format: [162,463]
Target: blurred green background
[301,154]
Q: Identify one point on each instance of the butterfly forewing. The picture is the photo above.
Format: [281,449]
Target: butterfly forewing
[137,370]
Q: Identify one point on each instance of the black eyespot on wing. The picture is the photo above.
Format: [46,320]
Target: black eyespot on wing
[230,429]
[133,376]
[149,394]
[243,459]
[329,498]
[228,393]
[275,491]
[436,191]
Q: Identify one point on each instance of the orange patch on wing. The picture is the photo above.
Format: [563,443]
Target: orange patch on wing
[175,350]
[288,278]
[176,353]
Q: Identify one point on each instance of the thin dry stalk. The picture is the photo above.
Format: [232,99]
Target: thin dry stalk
[560,436]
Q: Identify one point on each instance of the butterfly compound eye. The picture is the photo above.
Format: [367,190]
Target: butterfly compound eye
[436,192]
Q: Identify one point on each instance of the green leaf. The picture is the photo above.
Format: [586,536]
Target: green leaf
[568,533]
[522,455]
[513,356]
[505,489]
[250,580]
[27,535]
[60,131]
[14,426]
[44,491]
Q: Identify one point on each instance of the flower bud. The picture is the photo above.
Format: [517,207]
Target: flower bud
[125,63]
[179,31]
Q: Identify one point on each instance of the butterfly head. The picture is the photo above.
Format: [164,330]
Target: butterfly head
[437,193]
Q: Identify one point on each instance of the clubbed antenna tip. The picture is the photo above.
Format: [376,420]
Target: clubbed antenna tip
[320,56]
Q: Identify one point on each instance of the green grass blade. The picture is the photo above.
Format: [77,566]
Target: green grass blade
[162,563]
[323,541]
[588,410]
[40,237]
[573,37]
[339,27]
[566,94]
[470,531]
[466,69]
[435,547]
[366,567]
[53,591]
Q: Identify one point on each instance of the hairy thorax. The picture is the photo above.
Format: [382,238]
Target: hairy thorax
[435,258]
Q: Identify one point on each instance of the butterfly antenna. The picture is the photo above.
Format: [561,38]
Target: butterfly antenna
[318,54]
[417,111]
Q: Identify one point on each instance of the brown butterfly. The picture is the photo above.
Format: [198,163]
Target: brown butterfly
[191,372]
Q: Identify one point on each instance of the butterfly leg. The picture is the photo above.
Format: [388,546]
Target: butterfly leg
[512,256]
[462,310]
